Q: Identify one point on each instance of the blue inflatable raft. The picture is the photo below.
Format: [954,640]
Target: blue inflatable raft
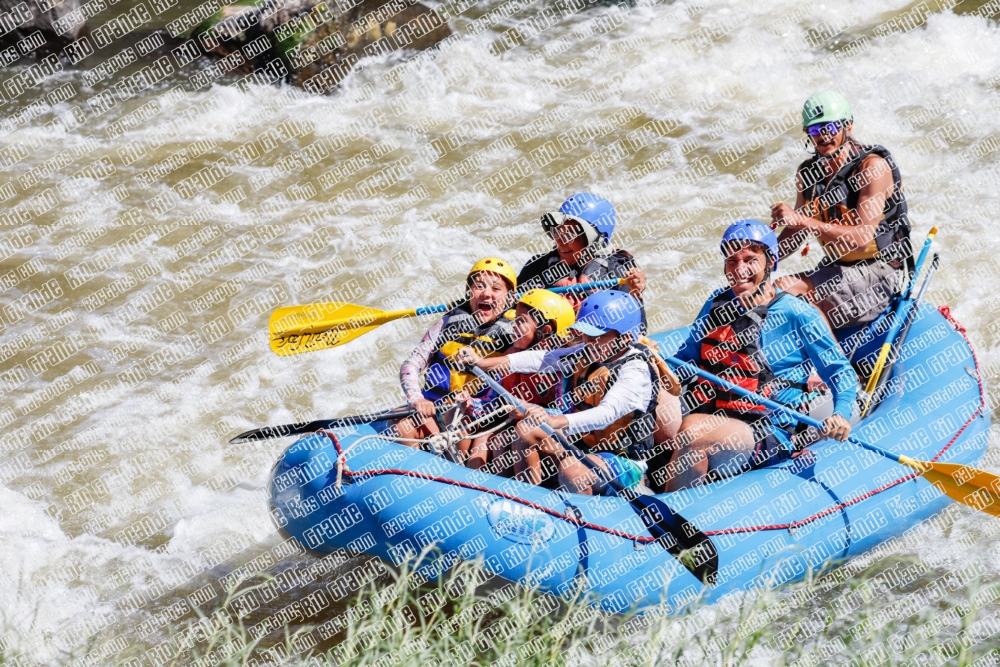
[768,526]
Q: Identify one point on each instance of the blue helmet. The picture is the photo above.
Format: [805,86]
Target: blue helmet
[609,310]
[595,210]
[755,231]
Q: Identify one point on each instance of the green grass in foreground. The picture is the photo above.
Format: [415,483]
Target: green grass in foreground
[935,619]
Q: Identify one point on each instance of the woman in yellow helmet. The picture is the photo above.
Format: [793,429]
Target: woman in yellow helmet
[430,374]
[542,319]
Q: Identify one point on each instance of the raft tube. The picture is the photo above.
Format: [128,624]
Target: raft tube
[769,526]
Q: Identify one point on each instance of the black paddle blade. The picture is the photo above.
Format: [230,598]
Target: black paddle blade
[282,431]
[302,428]
[690,546]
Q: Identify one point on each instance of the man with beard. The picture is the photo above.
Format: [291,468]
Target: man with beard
[850,198]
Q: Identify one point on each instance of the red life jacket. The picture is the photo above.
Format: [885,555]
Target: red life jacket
[539,388]
[731,350]
[533,387]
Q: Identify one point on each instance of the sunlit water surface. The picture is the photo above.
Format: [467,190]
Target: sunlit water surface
[118,477]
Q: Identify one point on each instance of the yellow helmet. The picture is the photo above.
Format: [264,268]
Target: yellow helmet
[497,266]
[553,307]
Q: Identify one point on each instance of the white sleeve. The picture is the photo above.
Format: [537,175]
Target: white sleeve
[631,392]
[540,361]
[528,361]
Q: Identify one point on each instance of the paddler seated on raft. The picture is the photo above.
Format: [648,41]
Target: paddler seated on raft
[767,341]
[581,230]
[611,389]
[541,322]
[850,197]
[429,375]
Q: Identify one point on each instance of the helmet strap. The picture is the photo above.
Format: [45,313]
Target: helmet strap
[760,288]
[767,275]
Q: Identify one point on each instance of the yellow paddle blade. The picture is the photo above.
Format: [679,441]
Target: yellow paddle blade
[317,317]
[319,326]
[964,484]
[311,342]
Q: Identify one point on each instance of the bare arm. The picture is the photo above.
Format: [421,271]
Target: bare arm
[871,202]
[790,237]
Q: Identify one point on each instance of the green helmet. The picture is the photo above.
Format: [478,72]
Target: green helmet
[825,106]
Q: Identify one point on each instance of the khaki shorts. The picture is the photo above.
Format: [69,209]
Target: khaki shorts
[851,295]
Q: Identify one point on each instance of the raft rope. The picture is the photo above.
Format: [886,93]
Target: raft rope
[646,539]
[439,442]
[475,487]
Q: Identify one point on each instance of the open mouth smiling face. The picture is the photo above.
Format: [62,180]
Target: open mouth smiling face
[489,297]
[745,269]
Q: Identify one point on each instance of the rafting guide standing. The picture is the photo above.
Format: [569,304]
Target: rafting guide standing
[850,197]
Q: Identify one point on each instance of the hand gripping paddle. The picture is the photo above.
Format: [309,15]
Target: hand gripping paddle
[321,326]
[964,484]
[670,530]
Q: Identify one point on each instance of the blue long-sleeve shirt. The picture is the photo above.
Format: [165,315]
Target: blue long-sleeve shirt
[794,339]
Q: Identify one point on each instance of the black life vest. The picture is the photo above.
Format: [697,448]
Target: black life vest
[548,270]
[836,201]
[461,328]
[731,349]
[632,434]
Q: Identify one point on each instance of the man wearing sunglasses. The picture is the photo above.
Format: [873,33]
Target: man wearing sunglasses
[850,197]
[581,230]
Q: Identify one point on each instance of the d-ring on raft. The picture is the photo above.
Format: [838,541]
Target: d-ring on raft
[769,526]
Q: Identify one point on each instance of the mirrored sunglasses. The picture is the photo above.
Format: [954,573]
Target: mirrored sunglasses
[833,127]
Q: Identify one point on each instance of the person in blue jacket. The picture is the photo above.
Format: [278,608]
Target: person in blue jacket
[762,339]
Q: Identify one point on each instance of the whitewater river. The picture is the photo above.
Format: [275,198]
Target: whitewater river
[133,327]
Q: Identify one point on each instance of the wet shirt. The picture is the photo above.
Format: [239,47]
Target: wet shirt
[794,340]
[414,365]
[631,392]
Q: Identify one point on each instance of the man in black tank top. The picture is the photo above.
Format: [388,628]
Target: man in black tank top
[850,198]
[581,231]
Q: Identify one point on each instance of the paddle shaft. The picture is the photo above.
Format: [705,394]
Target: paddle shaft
[373,318]
[668,528]
[578,287]
[920,261]
[269,432]
[890,338]
[584,287]
[573,449]
[909,320]
[774,405]
[883,354]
